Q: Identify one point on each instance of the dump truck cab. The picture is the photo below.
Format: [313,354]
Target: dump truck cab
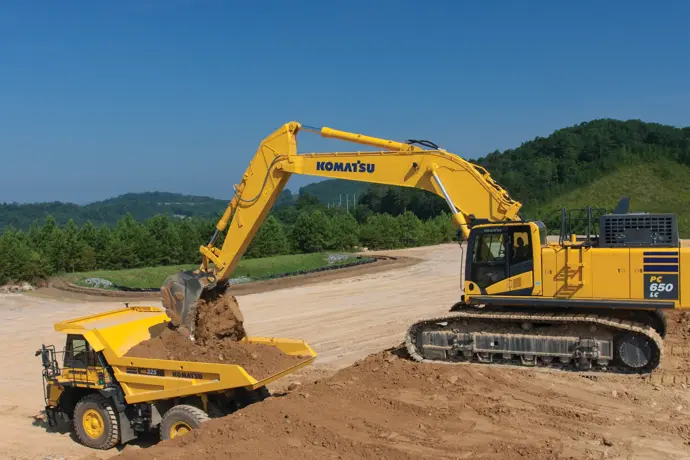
[111,398]
[79,387]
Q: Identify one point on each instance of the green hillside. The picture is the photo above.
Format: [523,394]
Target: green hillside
[143,206]
[661,186]
[541,169]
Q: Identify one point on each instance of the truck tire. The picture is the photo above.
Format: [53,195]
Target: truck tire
[180,420]
[95,422]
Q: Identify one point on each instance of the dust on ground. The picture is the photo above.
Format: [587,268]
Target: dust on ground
[219,329]
[387,406]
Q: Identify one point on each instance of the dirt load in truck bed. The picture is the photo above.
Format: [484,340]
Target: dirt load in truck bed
[218,331]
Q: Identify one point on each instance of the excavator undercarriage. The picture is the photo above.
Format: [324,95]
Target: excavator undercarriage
[567,341]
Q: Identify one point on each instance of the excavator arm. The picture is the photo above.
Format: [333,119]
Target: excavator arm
[468,189]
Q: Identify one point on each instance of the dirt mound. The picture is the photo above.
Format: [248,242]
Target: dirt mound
[219,329]
[387,406]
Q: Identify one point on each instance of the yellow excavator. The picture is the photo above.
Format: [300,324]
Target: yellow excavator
[592,300]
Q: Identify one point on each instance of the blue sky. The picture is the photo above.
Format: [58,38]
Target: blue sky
[103,98]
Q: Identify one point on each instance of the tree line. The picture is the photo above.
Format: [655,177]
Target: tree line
[47,249]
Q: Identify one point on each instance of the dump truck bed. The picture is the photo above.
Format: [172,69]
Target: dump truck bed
[115,332]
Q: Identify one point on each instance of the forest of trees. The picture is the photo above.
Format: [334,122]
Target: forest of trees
[48,249]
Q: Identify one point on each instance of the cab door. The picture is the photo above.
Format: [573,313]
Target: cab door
[81,365]
[502,261]
[520,260]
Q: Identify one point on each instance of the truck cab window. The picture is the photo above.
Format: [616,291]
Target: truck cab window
[78,353]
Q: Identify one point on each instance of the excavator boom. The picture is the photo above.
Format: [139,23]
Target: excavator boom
[468,189]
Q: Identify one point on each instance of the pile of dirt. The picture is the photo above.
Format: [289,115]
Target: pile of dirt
[387,406]
[218,334]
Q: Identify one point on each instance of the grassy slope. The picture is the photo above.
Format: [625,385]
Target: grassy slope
[151,277]
[662,186]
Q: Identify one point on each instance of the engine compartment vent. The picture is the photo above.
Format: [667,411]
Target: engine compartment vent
[638,229]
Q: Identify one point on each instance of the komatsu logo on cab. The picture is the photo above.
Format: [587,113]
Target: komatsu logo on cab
[355,166]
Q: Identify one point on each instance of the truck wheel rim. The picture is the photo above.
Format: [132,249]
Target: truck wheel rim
[179,428]
[93,424]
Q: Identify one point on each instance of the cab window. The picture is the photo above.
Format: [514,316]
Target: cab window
[521,249]
[497,256]
[489,259]
[491,248]
[521,253]
[78,352]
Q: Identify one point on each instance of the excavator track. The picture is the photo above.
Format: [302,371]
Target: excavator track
[576,342]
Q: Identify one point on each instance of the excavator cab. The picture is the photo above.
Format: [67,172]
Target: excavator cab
[501,258]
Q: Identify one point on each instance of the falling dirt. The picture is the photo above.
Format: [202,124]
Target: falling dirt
[218,334]
[219,317]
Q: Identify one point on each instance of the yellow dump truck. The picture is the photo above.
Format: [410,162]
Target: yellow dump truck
[111,398]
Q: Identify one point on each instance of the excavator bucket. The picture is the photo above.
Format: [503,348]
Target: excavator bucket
[179,295]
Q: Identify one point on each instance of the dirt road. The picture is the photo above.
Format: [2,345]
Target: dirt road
[382,407]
